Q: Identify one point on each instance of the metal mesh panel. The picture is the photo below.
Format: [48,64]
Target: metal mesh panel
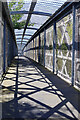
[24,53]
[64,47]
[77,49]
[37,48]
[49,49]
[6,47]
[36,54]
[42,48]
[31,50]
[34,49]
[31,45]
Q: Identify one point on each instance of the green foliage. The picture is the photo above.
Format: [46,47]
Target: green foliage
[59,34]
[59,63]
[16,6]
[68,65]
[69,30]
[64,47]
[50,47]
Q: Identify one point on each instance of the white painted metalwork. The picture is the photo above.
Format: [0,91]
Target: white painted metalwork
[64,44]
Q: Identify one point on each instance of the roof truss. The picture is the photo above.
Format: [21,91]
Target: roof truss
[33,3]
[34,12]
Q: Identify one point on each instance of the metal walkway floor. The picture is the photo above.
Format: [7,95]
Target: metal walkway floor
[29,91]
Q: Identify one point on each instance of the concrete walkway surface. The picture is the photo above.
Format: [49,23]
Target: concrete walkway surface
[31,92]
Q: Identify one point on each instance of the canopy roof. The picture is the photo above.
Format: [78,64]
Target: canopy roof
[35,12]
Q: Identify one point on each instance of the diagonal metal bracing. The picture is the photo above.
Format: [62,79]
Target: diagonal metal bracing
[33,3]
[34,12]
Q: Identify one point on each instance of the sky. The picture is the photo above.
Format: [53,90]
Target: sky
[35,0]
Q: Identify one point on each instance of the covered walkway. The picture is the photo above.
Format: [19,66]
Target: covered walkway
[30,91]
[39,60]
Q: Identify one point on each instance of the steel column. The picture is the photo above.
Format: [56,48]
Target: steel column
[35,49]
[4,45]
[73,44]
[54,48]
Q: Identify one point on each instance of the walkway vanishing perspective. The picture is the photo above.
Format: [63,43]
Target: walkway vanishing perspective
[40,59]
[30,91]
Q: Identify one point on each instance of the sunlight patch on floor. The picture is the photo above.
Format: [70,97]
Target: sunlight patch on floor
[47,98]
[38,84]
[8,83]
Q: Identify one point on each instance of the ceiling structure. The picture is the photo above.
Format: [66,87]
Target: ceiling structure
[36,12]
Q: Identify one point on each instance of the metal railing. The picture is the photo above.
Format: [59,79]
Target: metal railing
[56,45]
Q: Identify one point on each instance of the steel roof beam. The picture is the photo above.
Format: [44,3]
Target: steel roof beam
[61,12]
[20,41]
[25,34]
[33,3]
[23,38]
[32,28]
[34,12]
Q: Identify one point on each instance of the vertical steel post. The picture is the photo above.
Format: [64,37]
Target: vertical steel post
[73,44]
[1,36]
[4,46]
[54,48]
[44,44]
[35,49]
[39,49]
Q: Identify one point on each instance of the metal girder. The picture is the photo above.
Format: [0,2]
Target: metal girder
[57,14]
[25,34]
[62,10]
[32,28]
[23,38]
[33,3]
[34,12]
[20,41]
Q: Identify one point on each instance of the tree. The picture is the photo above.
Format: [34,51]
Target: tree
[16,6]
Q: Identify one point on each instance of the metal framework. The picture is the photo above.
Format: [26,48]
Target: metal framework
[20,41]
[53,44]
[63,45]
[25,34]
[23,38]
[29,16]
[34,12]
[57,15]
[32,28]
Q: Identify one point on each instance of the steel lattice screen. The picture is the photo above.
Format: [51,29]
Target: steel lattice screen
[64,46]
[77,49]
[49,48]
